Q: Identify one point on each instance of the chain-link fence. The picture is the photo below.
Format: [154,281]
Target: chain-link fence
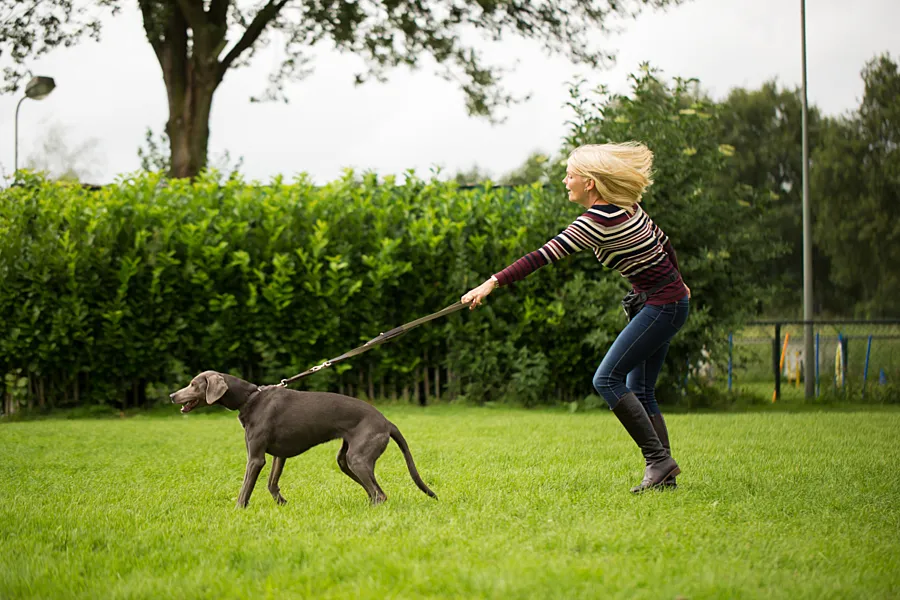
[768,358]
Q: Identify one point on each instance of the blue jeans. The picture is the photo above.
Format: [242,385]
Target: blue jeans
[638,354]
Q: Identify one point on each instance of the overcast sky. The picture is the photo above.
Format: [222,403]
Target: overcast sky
[113,90]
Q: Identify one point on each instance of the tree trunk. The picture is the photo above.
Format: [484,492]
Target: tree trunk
[437,383]
[188,125]
[427,379]
[192,68]
[142,393]
[191,72]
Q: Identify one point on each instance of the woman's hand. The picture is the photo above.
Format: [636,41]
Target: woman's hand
[476,296]
[688,289]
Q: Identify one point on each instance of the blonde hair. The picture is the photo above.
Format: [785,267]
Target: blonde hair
[621,172]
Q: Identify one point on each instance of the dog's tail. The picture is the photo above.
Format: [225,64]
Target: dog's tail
[398,437]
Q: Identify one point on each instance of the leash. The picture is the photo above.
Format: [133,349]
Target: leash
[376,341]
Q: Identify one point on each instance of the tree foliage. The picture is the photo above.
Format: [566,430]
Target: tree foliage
[30,29]
[856,175]
[764,127]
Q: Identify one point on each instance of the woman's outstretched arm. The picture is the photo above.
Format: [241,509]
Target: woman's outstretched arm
[584,232]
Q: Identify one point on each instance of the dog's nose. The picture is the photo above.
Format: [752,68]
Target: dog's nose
[172,396]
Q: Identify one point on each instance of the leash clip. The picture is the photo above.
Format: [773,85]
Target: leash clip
[324,365]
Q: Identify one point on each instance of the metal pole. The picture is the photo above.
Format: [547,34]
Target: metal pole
[817,365]
[16,145]
[845,354]
[866,370]
[807,222]
[776,353]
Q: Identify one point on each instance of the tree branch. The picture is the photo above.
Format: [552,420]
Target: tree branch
[254,30]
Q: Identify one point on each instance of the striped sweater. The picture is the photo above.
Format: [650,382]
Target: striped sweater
[630,244]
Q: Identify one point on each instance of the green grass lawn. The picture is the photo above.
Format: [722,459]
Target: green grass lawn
[533,504]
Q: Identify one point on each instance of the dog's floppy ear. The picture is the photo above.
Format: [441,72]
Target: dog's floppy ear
[215,387]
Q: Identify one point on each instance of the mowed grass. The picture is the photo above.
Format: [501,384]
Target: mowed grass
[533,504]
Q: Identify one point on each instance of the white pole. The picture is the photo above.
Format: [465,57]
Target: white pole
[807,228]
[16,146]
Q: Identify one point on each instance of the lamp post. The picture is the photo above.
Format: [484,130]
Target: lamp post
[36,89]
[808,377]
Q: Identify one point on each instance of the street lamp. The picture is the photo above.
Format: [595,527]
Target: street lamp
[808,348]
[36,89]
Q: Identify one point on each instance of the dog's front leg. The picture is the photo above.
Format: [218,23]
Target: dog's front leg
[256,460]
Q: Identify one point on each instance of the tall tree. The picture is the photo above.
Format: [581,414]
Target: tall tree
[198,41]
[857,171]
[764,127]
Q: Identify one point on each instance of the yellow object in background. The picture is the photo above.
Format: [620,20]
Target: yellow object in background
[839,366]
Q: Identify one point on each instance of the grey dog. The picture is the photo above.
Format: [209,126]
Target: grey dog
[285,423]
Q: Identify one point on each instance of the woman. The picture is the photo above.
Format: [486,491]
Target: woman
[608,180]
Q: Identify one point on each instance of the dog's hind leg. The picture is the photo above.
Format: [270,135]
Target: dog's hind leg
[342,463]
[277,467]
[361,457]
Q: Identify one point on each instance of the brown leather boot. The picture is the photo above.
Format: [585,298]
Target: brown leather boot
[659,425]
[660,466]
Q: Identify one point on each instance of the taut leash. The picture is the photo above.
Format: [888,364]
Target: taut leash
[376,341]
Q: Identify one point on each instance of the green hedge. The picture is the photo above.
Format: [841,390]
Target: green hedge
[149,281]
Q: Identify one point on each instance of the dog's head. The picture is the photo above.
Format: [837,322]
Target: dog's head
[206,388]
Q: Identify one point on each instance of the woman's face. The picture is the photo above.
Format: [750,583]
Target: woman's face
[579,187]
